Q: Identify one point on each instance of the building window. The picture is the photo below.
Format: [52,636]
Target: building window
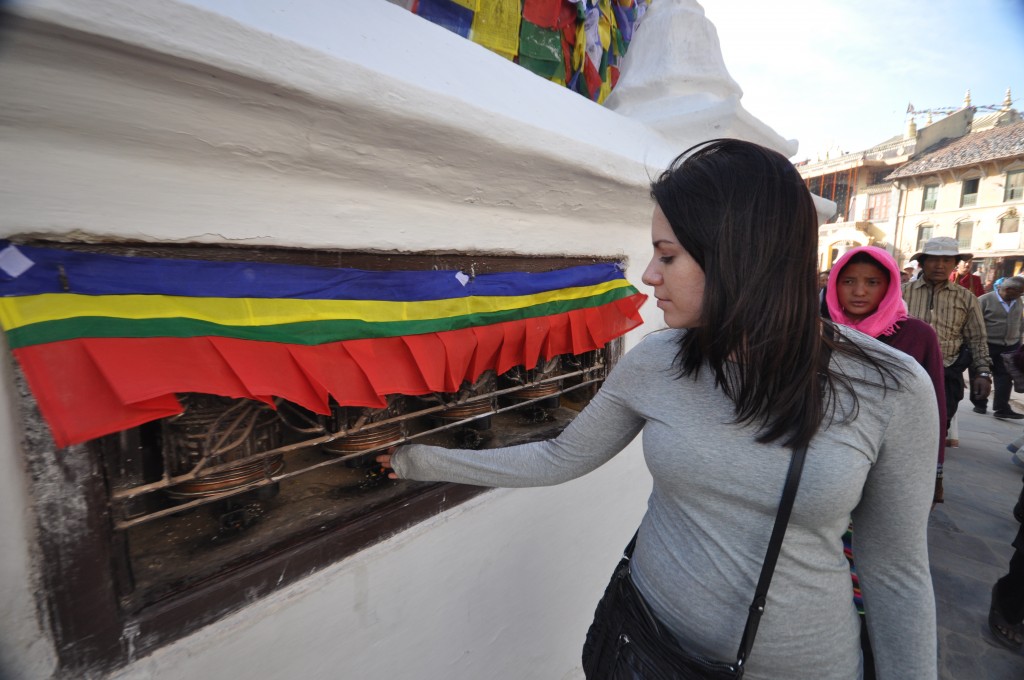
[924,232]
[964,233]
[1014,186]
[969,192]
[841,195]
[931,195]
[185,518]
[878,207]
[1009,224]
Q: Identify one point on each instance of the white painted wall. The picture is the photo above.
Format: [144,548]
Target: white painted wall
[349,125]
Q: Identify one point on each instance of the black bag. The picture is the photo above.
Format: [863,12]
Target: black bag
[626,641]
[963,359]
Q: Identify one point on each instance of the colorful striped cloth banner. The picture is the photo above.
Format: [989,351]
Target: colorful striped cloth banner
[576,43]
[107,341]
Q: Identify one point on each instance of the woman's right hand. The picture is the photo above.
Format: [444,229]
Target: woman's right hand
[385,462]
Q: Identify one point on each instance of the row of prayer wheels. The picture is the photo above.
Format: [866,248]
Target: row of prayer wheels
[217,431]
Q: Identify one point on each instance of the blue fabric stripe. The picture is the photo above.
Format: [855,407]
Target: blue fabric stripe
[65,271]
[455,18]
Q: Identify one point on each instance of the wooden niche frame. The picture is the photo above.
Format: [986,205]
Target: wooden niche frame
[84,574]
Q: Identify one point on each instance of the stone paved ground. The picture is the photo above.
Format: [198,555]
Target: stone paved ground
[969,543]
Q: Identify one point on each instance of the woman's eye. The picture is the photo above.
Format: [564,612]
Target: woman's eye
[667,259]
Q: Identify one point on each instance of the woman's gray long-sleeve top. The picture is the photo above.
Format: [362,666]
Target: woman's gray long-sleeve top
[716,492]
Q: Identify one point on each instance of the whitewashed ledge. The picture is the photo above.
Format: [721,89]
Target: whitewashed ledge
[331,111]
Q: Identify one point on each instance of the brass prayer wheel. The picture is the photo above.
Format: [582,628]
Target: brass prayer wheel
[368,436]
[525,376]
[218,430]
[364,440]
[458,408]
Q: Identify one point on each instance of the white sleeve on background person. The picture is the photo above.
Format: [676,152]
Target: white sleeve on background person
[601,430]
[890,543]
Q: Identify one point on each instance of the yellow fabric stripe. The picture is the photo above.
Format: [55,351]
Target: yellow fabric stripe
[17,312]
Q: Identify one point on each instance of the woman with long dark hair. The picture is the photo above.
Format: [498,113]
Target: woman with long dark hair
[746,374]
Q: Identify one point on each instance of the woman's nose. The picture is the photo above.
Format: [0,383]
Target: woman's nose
[651,275]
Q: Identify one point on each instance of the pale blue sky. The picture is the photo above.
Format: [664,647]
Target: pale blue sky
[839,74]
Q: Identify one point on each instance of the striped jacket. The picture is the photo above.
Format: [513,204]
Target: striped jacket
[956,316]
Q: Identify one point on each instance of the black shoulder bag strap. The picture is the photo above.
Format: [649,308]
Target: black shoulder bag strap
[796,466]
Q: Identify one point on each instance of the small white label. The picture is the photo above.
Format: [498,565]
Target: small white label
[13,262]
[462,278]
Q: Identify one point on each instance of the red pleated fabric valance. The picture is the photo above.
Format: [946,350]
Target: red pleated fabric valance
[101,357]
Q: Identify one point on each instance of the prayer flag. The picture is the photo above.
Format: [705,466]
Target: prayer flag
[106,341]
[592,77]
[496,27]
[540,43]
[542,12]
[518,30]
[454,16]
[543,68]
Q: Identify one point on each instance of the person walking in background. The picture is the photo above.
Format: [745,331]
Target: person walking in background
[744,376]
[1006,613]
[1001,310]
[822,284]
[1014,363]
[962,276]
[864,294]
[956,316]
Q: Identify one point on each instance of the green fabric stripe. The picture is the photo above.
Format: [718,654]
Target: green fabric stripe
[302,333]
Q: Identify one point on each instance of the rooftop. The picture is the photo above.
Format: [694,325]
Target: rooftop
[995,119]
[989,145]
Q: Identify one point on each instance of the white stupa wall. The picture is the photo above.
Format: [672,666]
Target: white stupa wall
[351,125]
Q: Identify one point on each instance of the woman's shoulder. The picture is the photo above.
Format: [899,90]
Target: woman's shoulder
[871,357]
[658,343]
[656,351]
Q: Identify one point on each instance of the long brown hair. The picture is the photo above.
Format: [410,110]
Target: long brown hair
[744,214]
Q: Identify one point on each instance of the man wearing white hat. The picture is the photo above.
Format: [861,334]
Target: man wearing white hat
[956,316]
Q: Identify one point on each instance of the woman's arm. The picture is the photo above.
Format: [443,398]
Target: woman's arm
[600,431]
[890,537]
